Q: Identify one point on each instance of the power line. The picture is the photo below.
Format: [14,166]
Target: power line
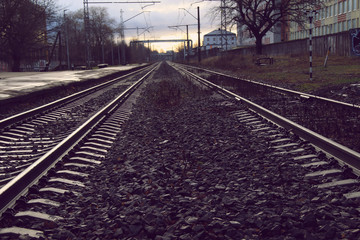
[87,23]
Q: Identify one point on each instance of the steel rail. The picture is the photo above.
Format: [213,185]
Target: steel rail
[27,114]
[280,89]
[19,186]
[342,153]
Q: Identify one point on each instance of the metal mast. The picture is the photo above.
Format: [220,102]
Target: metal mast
[87,33]
[223,33]
[122,38]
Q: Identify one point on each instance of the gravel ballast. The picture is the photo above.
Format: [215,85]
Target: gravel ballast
[184,167]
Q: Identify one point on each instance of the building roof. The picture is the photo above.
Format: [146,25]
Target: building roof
[219,32]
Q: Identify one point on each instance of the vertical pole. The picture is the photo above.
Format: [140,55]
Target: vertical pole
[112,51]
[199,43]
[311,15]
[60,51]
[223,28]
[87,33]
[118,51]
[102,52]
[188,45]
[184,50]
[67,41]
[222,25]
[122,34]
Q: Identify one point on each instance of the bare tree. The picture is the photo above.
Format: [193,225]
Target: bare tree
[25,28]
[7,11]
[261,16]
[102,28]
[75,33]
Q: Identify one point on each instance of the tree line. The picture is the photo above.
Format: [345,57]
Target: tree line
[29,33]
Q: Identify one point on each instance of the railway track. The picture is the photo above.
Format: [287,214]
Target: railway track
[348,169]
[27,136]
[247,178]
[336,120]
[31,154]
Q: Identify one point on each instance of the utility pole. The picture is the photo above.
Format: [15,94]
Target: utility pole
[122,39]
[199,43]
[188,45]
[198,23]
[67,41]
[118,51]
[187,36]
[60,51]
[311,15]
[87,33]
[223,32]
[122,34]
[87,24]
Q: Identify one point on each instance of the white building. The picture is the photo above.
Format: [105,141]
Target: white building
[220,39]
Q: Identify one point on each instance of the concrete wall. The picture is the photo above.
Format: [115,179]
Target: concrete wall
[340,44]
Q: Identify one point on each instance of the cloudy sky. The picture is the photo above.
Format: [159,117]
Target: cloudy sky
[159,16]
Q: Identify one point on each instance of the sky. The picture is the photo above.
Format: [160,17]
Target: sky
[158,16]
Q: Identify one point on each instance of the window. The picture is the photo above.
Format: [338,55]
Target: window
[348,24]
[331,10]
[335,9]
[330,29]
[340,8]
[335,27]
[345,6]
[327,12]
[354,23]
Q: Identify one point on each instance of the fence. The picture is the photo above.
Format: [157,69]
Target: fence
[340,43]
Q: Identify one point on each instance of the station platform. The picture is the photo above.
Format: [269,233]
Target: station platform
[14,84]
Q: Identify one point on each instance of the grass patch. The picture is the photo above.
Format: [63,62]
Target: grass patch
[292,71]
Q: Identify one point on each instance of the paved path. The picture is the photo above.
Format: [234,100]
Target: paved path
[20,83]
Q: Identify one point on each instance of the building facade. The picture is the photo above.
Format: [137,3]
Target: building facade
[333,17]
[220,39]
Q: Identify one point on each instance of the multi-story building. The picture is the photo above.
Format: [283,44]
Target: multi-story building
[220,39]
[333,17]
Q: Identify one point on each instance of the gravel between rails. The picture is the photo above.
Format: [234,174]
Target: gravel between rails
[185,168]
